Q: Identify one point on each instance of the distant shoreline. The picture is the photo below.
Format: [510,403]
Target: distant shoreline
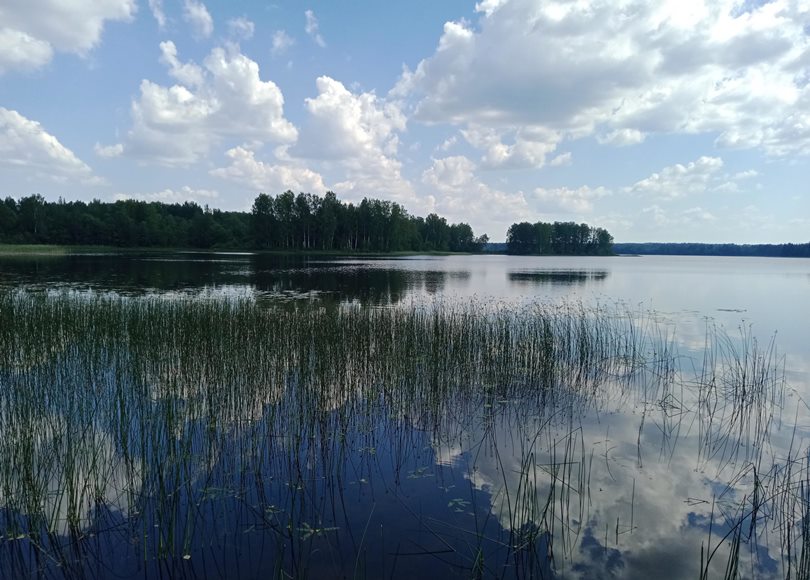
[619,249]
[789,250]
[67,250]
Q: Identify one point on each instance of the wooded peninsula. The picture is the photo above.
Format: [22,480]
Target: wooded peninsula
[558,238]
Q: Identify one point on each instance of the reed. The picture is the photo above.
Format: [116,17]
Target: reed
[186,435]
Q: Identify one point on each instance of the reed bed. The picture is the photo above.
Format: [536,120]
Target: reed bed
[185,437]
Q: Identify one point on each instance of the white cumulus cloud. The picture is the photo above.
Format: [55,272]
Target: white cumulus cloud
[458,194]
[224,97]
[450,173]
[188,73]
[620,70]
[529,147]
[32,30]
[21,51]
[246,170]
[360,133]
[696,177]
[198,17]
[25,144]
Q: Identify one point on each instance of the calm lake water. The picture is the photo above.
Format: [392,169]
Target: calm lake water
[670,473]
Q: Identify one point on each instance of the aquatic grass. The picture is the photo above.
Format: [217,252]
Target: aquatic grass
[201,423]
[26,250]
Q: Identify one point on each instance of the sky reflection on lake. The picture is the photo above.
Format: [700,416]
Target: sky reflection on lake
[632,476]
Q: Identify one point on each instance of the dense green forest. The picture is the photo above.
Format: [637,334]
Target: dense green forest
[690,249]
[285,222]
[558,238]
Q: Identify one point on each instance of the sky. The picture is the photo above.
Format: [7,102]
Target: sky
[670,120]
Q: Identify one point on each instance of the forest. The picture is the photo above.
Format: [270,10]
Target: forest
[284,222]
[558,238]
[695,249]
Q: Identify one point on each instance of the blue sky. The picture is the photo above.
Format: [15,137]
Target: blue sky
[679,120]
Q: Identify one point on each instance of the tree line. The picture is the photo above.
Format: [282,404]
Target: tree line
[695,249]
[310,222]
[285,222]
[558,238]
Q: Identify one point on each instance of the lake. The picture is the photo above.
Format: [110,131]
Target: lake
[238,415]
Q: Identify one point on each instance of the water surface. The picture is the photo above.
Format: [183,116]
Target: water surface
[633,475]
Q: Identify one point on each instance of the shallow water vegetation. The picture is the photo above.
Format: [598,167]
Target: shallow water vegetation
[179,436]
[33,249]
